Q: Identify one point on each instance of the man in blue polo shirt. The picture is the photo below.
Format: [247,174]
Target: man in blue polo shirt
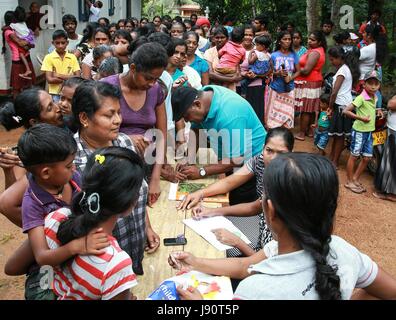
[234,131]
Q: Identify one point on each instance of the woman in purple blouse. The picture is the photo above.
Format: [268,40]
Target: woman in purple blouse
[143,107]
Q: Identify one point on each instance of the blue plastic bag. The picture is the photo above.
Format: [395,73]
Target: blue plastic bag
[166,291]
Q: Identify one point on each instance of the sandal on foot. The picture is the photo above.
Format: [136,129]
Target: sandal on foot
[359,184]
[354,188]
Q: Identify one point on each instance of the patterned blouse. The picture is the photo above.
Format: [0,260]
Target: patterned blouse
[256,166]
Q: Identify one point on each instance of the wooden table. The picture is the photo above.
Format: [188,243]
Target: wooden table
[167,222]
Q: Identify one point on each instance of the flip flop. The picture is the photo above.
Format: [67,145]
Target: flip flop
[299,138]
[354,188]
[361,186]
[382,196]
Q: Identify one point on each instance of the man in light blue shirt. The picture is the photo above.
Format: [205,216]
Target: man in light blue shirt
[234,130]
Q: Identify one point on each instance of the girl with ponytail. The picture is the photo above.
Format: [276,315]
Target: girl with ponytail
[304,261]
[110,189]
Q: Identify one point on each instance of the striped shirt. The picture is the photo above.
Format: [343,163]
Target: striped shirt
[89,277]
[130,231]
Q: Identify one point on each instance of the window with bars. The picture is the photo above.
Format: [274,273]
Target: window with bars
[111,8]
[83,11]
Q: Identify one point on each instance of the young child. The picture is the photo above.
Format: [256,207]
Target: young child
[110,189]
[24,33]
[59,65]
[99,54]
[259,61]
[322,124]
[364,125]
[232,54]
[108,67]
[65,103]
[47,153]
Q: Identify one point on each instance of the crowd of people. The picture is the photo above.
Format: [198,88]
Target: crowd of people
[96,145]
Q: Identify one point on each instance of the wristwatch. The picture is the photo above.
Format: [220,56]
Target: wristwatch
[202,172]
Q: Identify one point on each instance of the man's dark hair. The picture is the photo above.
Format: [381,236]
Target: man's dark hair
[68,17]
[328,22]
[262,19]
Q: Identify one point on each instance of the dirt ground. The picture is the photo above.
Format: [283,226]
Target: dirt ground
[364,221]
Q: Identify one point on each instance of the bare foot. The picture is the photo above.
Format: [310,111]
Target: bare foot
[24,76]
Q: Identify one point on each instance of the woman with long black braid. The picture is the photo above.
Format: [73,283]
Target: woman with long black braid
[305,261]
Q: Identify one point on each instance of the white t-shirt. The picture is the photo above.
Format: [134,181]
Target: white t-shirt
[88,60]
[167,79]
[344,96]
[95,14]
[72,46]
[368,56]
[392,120]
[292,276]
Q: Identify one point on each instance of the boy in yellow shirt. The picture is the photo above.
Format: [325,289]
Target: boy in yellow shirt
[59,65]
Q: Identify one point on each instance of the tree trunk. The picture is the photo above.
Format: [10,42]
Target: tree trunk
[254,10]
[313,15]
[335,14]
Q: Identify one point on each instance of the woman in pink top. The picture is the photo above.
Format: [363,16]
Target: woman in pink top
[16,82]
[309,81]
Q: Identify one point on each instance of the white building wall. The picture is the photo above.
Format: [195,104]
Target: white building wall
[60,7]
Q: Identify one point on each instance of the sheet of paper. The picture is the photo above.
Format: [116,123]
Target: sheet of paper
[204,228]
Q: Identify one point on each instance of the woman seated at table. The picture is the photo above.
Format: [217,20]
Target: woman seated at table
[305,261]
[278,140]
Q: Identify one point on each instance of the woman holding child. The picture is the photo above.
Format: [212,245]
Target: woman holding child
[219,36]
[256,84]
[16,82]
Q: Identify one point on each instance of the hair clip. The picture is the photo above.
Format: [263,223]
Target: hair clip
[100,159]
[17,119]
[94,203]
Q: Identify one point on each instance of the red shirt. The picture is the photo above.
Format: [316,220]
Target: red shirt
[316,73]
